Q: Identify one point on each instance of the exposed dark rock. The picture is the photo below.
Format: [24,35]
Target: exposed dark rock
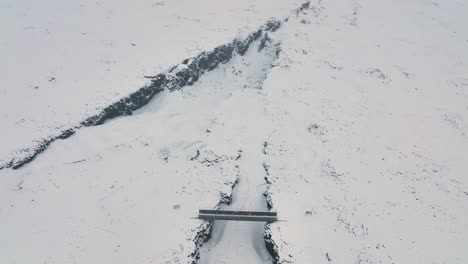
[66,134]
[303,7]
[377,73]
[270,244]
[127,105]
[177,77]
[196,155]
[227,198]
[268,200]
[265,147]
[16,164]
[239,154]
[278,51]
[203,235]
[243,45]
[78,161]
[272,25]
[267,173]
[264,42]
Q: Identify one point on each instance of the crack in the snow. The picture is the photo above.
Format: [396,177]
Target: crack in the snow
[179,76]
[209,158]
[271,47]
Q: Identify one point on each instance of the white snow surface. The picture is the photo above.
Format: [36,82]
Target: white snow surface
[63,61]
[365,117]
[125,192]
[368,153]
[245,126]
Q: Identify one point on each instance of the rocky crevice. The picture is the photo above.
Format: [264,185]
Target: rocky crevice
[177,77]
[206,229]
[270,244]
[267,235]
[264,42]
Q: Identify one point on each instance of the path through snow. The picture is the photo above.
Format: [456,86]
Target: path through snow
[107,186]
[237,241]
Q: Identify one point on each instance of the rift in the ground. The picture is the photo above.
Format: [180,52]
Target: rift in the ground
[179,76]
[233,241]
[230,80]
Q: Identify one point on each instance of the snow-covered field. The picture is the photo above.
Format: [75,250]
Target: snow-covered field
[126,191]
[62,61]
[356,113]
[369,155]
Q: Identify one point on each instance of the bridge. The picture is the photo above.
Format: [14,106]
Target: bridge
[206,214]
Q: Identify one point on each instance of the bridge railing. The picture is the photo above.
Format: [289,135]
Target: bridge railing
[237,215]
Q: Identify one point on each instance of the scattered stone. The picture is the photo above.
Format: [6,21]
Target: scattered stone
[78,161]
[265,146]
[196,155]
[313,127]
[266,168]
[239,154]
[333,66]
[377,73]
[303,7]
[164,154]
[318,131]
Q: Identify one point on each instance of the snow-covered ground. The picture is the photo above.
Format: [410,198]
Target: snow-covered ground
[358,120]
[126,191]
[62,61]
[369,155]
[244,125]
